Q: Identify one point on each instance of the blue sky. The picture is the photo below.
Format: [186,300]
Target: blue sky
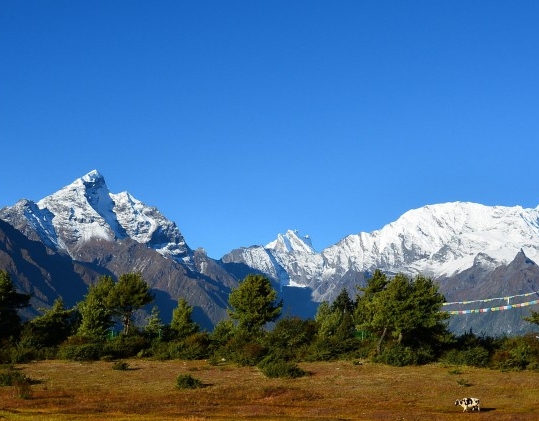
[242,119]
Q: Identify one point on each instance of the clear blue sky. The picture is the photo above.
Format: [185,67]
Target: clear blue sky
[242,119]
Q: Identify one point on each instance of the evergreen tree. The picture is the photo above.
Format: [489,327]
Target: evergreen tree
[96,315]
[223,332]
[182,325]
[407,309]
[52,328]
[533,318]
[10,302]
[129,294]
[155,326]
[343,303]
[254,303]
[327,320]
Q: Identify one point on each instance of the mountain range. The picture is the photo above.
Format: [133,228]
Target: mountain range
[59,245]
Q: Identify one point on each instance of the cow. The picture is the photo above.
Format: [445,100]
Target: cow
[468,404]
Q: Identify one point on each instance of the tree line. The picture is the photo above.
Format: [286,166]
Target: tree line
[394,320]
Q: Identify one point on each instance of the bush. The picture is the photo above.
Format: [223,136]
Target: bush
[120,365]
[473,357]
[281,369]
[186,381]
[9,376]
[124,346]
[243,349]
[82,352]
[397,355]
[517,353]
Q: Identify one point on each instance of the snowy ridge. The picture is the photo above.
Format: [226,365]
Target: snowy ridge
[435,240]
[86,210]
[440,240]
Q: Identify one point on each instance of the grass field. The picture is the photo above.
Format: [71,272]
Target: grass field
[147,391]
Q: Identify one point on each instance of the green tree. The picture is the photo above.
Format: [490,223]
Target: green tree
[155,326]
[254,303]
[181,324]
[223,332]
[96,314]
[10,303]
[363,311]
[52,328]
[289,337]
[407,309]
[327,320]
[129,294]
[343,303]
[533,318]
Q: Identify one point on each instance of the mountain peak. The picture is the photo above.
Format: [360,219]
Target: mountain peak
[291,242]
[86,210]
[93,177]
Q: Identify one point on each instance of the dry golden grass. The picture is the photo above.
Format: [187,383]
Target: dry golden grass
[332,391]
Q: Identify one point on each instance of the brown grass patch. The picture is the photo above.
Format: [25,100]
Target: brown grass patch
[340,390]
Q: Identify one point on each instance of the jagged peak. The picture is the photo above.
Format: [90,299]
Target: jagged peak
[92,180]
[92,177]
[290,242]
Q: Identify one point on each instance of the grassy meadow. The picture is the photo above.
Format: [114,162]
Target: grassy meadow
[343,390]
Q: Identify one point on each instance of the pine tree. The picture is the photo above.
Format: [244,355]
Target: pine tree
[96,315]
[154,327]
[407,309]
[10,303]
[182,325]
[129,294]
[254,303]
[51,328]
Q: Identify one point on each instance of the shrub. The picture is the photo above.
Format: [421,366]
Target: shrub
[12,377]
[196,346]
[186,381]
[463,383]
[517,353]
[22,387]
[281,369]
[120,365]
[243,349]
[82,352]
[124,346]
[473,357]
[9,376]
[400,355]
[397,355]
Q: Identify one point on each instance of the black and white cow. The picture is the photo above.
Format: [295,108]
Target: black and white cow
[468,404]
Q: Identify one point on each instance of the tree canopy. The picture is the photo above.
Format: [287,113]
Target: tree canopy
[96,314]
[107,299]
[407,309]
[254,303]
[129,294]
[182,324]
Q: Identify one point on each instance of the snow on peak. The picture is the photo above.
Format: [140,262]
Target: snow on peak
[436,240]
[93,177]
[444,239]
[86,209]
[291,242]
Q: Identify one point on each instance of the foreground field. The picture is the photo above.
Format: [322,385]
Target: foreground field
[339,390]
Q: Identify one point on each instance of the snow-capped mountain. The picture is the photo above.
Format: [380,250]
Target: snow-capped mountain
[86,210]
[436,240]
[473,251]
[102,233]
